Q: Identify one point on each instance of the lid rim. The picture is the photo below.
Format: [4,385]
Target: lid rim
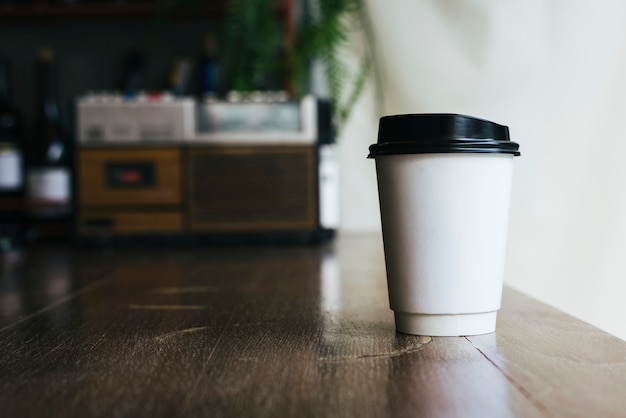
[449,151]
[434,147]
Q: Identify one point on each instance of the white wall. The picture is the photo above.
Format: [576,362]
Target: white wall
[555,73]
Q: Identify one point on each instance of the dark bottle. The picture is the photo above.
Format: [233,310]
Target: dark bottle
[207,68]
[12,184]
[49,185]
[133,74]
[179,80]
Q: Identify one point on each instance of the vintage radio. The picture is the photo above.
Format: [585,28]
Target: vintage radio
[252,184]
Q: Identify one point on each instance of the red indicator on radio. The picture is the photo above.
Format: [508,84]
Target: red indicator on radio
[130,176]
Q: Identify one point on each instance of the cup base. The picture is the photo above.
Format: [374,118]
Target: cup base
[446,325]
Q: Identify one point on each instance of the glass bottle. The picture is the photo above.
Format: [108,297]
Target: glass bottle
[49,178]
[11,162]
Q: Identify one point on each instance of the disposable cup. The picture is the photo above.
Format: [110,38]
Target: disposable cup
[444,184]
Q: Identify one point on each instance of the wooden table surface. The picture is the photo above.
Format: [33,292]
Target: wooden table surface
[274,331]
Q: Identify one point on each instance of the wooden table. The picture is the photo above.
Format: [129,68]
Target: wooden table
[274,331]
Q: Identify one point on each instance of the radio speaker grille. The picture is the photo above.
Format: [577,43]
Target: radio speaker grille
[268,188]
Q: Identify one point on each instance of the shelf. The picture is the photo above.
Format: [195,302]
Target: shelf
[119,9]
[99,10]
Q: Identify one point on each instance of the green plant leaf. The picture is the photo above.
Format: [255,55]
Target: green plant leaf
[256,48]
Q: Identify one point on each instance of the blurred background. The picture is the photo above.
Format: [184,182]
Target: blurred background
[550,70]
[102,101]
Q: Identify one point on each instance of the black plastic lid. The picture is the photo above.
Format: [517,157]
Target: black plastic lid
[441,133]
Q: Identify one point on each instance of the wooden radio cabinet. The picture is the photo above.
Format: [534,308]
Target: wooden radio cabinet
[198,190]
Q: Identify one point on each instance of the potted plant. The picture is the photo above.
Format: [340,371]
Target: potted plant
[259,53]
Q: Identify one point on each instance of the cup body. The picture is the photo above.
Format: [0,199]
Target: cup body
[444,221]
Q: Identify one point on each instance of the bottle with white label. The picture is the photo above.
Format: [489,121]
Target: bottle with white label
[11,144]
[49,177]
[11,162]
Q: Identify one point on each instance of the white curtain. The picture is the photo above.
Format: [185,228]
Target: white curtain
[555,73]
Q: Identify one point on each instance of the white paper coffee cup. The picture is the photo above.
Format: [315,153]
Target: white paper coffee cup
[444,192]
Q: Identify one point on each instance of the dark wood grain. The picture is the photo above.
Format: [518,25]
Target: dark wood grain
[274,331]
[563,364]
